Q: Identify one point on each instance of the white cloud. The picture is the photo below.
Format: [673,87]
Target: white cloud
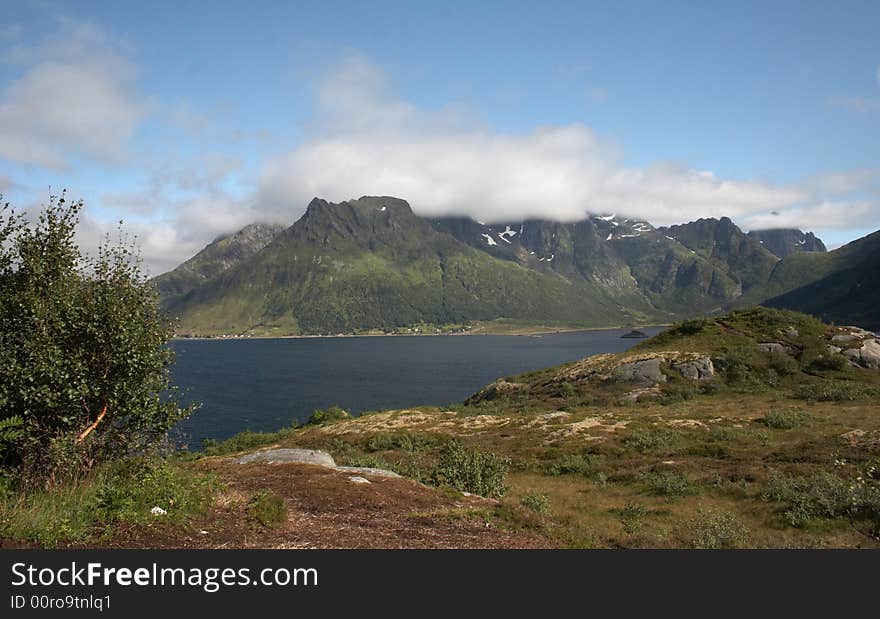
[370,142]
[826,215]
[176,229]
[844,182]
[75,95]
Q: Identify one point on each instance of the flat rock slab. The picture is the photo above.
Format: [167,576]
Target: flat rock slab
[363,470]
[280,456]
[310,456]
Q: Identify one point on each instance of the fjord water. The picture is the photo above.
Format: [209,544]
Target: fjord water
[265,384]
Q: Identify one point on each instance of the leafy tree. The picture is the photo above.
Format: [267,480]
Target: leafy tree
[82,349]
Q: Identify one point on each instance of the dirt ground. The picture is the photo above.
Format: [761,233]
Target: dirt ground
[328,510]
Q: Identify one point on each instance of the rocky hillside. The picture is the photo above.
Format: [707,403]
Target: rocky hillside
[372,265]
[841,286]
[757,429]
[218,257]
[785,241]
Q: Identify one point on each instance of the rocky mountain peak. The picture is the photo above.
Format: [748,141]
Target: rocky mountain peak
[785,241]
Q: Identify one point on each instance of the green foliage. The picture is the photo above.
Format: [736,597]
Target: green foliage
[472,471]
[652,439]
[245,441]
[122,491]
[538,503]
[267,508]
[668,483]
[715,530]
[783,364]
[11,430]
[631,516]
[786,419]
[692,327]
[82,347]
[805,498]
[828,362]
[835,391]
[129,489]
[768,324]
[404,441]
[320,417]
[575,464]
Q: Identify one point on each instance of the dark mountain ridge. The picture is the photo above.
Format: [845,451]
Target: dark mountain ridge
[372,264]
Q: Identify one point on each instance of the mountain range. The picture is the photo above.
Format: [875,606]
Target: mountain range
[371,264]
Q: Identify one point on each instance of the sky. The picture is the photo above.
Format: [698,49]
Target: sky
[188,120]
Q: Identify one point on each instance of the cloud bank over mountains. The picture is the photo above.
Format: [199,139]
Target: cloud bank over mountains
[76,97]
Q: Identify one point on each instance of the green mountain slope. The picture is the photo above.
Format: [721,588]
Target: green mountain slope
[842,286]
[372,264]
[784,241]
[222,254]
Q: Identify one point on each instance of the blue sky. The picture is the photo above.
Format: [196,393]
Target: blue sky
[187,122]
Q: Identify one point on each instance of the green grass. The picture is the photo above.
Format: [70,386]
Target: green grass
[121,492]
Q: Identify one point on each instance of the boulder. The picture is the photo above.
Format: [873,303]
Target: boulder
[772,347]
[645,372]
[364,470]
[868,356]
[845,338]
[282,456]
[833,349]
[792,332]
[699,369]
[641,394]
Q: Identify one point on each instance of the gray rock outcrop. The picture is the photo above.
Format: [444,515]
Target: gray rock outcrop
[775,347]
[644,372]
[309,456]
[283,456]
[698,369]
[868,356]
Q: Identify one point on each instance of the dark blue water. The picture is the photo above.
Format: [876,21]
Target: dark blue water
[266,384]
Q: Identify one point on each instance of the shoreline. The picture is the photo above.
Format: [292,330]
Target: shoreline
[524,333]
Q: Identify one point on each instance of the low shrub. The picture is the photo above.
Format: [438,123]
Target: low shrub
[575,464]
[786,419]
[667,483]
[809,497]
[652,439]
[691,327]
[538,503]
[828,362]
[322,416]
[715,530]
[403,441]
[783,364]
[835,391]
[129,489]
[477,472]
[245,441]
[124,491]
[267,508]
[631,517]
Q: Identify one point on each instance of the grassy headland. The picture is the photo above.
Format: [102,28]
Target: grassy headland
[752,429]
